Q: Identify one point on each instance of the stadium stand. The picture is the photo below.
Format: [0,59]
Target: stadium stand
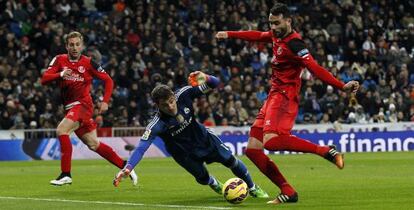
[142,43]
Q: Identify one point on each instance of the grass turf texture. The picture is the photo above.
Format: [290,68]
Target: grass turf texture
[369,181]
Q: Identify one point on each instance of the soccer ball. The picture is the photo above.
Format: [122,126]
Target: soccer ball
[235,190]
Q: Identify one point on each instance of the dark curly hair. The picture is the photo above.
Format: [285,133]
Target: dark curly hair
[161,92]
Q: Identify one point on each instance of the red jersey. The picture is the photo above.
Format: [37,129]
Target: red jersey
[290,57]
[75,88]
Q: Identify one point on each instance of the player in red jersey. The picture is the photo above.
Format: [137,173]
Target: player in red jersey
[74,73]
[271,129]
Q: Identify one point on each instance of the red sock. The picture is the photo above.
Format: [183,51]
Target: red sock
[65,153]
[269,168]
[296,144]
[109,154]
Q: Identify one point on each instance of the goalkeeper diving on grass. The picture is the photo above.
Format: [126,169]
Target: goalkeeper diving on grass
[189,142]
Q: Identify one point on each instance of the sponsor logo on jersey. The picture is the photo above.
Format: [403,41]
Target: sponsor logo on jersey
[186,110]
[81,69]
[267,122]
[182,127]
[74,77]
[146,135]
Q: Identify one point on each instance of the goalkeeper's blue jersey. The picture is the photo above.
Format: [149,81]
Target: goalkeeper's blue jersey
[182,134]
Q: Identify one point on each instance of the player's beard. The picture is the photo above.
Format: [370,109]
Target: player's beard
[280,33]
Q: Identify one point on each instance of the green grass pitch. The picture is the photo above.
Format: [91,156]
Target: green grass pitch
[369,181]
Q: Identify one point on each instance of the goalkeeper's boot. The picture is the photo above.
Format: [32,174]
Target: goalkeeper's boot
[257,192]
[335,157]
[218,188]
[283,198]
[134,178]
[62,179]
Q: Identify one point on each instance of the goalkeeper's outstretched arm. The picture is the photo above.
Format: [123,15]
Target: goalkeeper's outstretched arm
[204,81]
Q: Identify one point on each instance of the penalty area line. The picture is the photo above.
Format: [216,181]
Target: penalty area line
[114,203]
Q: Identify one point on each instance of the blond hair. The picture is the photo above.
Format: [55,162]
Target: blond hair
[73,34]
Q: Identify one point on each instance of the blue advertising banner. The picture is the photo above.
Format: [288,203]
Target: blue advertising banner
[12,150]
[345,142]
[49,148]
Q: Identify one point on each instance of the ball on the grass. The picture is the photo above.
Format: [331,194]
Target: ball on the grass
[235,190]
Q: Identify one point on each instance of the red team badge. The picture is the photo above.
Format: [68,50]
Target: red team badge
[81,69]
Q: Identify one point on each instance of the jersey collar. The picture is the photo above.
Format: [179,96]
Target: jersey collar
[74,61]
[285,37]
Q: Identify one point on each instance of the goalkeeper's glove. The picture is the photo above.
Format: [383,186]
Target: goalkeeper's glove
[197,78]
[120,175]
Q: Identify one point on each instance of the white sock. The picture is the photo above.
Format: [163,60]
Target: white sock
[253,188]
[213,181]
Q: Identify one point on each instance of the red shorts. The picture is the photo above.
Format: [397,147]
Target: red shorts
[82,114]
[277,115]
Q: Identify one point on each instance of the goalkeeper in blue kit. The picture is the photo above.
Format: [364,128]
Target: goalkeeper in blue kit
[189,142]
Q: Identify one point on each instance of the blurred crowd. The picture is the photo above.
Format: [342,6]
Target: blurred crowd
[142,43]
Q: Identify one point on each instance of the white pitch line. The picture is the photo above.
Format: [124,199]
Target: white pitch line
[115,203]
